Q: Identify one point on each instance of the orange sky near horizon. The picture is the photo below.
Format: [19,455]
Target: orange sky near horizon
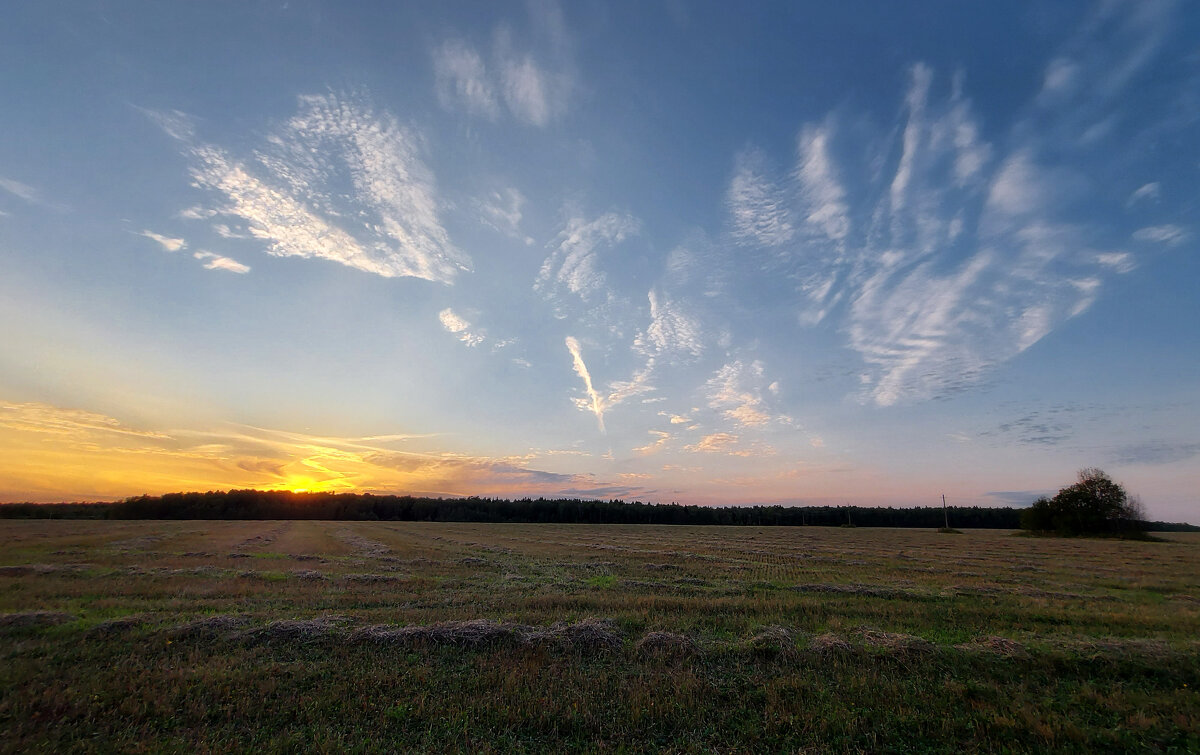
[49,453]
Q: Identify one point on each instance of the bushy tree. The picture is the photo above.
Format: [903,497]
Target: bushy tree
[1093,505]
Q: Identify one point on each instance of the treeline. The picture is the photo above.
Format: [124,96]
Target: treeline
[259,504]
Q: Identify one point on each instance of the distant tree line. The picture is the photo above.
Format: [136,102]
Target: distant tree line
[260,504]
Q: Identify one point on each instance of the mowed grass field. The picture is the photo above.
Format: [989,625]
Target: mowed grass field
[333,636]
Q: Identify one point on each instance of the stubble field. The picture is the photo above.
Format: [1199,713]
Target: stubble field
[303,635]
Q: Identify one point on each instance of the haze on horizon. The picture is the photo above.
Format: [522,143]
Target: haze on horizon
[704,253]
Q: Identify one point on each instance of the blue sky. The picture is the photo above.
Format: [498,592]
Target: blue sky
[708,253]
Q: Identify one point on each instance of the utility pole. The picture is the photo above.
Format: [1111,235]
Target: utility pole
[945,511]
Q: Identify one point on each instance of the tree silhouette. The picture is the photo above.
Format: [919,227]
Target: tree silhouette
[1093,505]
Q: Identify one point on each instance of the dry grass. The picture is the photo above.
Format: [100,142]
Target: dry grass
[574,637]
[667,644]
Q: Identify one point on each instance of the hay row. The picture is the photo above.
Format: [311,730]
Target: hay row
[589,635]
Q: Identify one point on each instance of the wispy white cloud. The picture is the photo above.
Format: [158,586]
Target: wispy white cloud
[168,243]
[1120,262]
[913,142]
[213,261]
[659,442]
[387,225]
[593,403]
[758,205]
[719,443]
[956,254]
[461,80]
[822,196]
[460,328]
[226,232]
[1144,193]
[736,392]
[197,212]
[502,211]
[671,333]
[574,265]
[528,89]
[638,385]
[1168,234]
[20,190]
[45,418]
[1018,188]
[1061,78]
[534,89]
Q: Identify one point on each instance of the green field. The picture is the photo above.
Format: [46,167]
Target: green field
[331,636]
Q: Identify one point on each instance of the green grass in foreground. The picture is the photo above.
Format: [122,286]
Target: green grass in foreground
[709,639]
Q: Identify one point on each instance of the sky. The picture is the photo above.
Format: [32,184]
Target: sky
[709,253]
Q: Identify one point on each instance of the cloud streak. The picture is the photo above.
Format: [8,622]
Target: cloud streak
[574,267]
[1168,234]
[166,242]
[593,403]
[20,190]
[389,223]
[460,328]
[530,88]
[213,261]
[736,391]
[957,254]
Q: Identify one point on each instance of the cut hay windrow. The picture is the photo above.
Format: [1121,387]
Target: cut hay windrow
[998,645]
[210,626]
[35,619]
[372,578]
[22,570]
[586,635]
[120,624]
[869,591]
[364,545]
